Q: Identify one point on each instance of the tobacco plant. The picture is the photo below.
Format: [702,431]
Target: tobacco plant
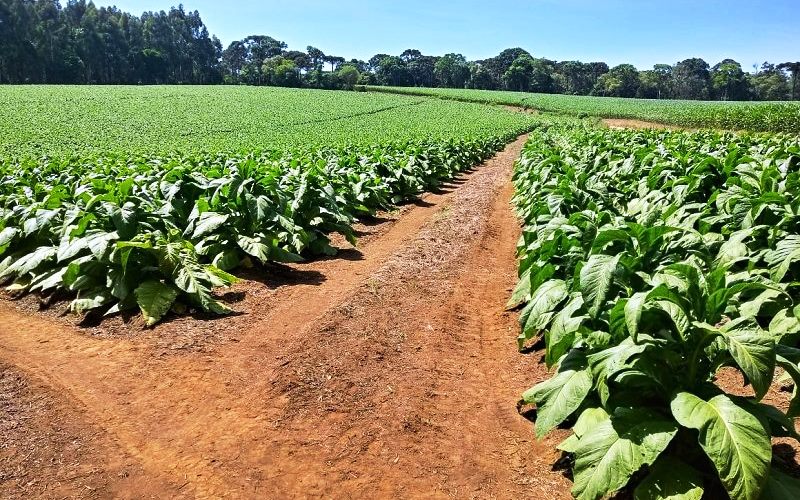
[650,261]
[120,232]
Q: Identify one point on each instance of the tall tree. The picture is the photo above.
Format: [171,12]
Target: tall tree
[334,61]
[452,71]
[409,55]
[542,76]
[281,72]
[422,70]
[392,71]
[620,81]
[480,77]
[574,77]
[729,81]
[655,83]
[794,70]
[300,59]
[770,84]
[375,61]
[518,75]
[317,56]
[244,59]
[691,79]
[347,76]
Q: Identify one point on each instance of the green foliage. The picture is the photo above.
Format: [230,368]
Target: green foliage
[154,299]
[122,230]
[60,121]
[649,260]
[732,437]
[752,116]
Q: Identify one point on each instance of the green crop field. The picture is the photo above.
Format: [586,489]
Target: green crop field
[48,120]
[141,197]
[323,261]
[649,261]
[753,116]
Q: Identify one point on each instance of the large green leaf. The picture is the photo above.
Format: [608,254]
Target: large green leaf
[70,247]
[610,453]
[99,242]
[531,279]
[754,352]
[255,247]
[522,291]
[733,438]
[192,279]
[734,247]
[558,397]
[90,301]
[633,312]
[124,219]
[48,280]
[670,479]
[154,299]
[561,335]
[609,362]
[279,254]
[7,234]
[596,278]
[30,262]
[540,310]
[227,260]
[753,307]
[676,315]
[607,236]
[784,323]
[587,421]
[208,223]
[786,252]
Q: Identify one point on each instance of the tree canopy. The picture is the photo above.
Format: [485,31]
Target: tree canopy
[42,41]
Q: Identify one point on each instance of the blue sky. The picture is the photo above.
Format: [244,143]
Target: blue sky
[639,32]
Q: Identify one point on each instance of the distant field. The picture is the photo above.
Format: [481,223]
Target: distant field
[47,120]
[143,197]
[753,116]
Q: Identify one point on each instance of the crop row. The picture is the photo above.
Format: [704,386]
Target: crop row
[752,116]
[649,261]
[156,233]
[62,120]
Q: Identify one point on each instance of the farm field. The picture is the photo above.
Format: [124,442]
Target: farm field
[237,291]
[58,120]
[752,116]
[123,226]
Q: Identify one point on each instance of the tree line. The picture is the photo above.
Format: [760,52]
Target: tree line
[42,41]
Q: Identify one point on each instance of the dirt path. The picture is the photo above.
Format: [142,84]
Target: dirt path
[392,372]
[622,123]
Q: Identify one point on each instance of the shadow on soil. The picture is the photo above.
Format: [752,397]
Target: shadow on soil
[785,456]
[279,275]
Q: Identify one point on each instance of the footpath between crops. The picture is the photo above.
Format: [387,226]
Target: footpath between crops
[388,371]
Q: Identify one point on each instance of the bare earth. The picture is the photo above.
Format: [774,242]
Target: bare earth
[620,123]
[390,371]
